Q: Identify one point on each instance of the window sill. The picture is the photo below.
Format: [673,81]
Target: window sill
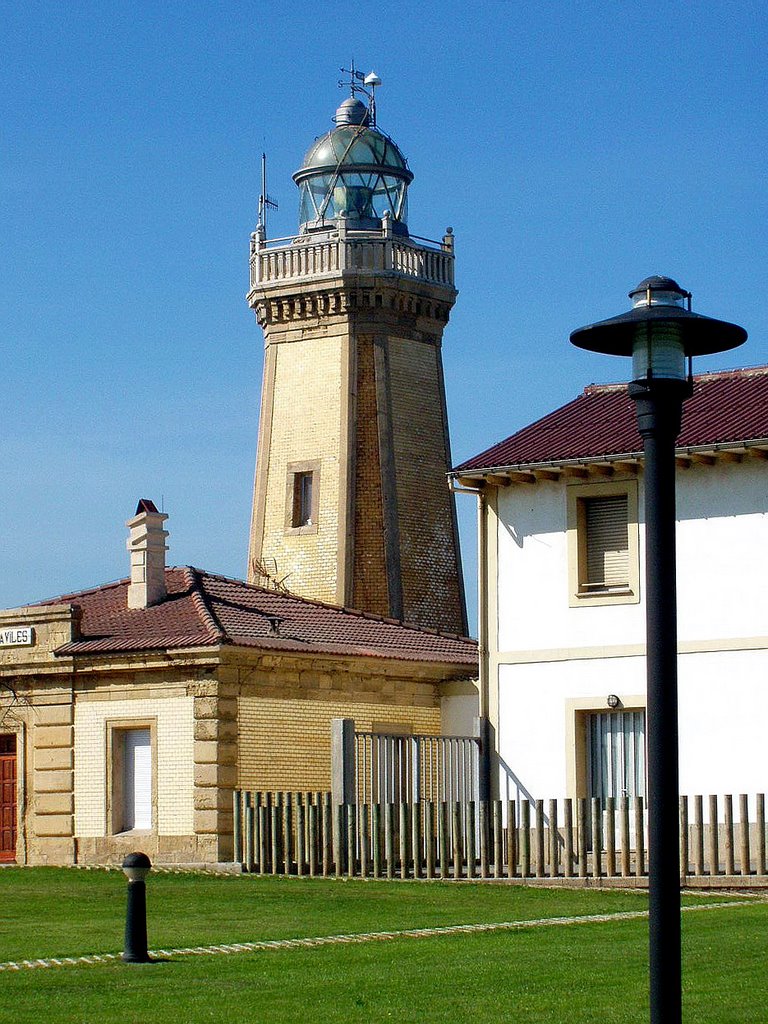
[594,598]
[300,531]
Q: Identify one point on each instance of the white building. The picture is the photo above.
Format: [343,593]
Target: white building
[562,616]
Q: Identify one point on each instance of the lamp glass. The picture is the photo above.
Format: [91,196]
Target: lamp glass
[136,874]
[658,352]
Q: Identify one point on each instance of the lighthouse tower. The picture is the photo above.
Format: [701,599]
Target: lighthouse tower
[351,504]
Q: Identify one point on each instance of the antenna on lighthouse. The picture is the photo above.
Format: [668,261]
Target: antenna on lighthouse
[266,202]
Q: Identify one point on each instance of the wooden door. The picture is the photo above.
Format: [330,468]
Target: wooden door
[7,798]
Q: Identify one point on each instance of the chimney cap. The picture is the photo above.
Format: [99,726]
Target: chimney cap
[145,505]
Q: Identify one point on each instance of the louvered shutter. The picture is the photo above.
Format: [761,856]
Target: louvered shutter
[607,542]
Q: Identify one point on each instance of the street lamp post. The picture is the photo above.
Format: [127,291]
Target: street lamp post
[661,334]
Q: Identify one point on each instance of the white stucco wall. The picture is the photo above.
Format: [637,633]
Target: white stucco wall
[722,580]
[723,707]
[722,540]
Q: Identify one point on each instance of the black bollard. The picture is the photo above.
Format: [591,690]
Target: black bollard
[136,866]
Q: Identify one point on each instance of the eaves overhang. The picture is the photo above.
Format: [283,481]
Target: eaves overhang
[503,474]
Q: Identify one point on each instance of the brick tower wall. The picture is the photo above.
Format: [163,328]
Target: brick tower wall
[428,553]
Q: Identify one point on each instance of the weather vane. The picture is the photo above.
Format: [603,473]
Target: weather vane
[367,88]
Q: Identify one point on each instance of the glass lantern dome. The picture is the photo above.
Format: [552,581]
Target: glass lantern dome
[354,171]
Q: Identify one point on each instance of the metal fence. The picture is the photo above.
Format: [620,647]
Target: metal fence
[396,769]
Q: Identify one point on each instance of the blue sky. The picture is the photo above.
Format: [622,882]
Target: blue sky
[575,148]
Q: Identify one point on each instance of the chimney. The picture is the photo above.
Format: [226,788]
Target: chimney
[147,547]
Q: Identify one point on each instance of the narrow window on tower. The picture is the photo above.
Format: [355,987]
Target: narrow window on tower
[302,500]
[302,494]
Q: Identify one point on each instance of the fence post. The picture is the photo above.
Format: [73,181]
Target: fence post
[511,839]
[554,841]
[597,837]
[539,813]
[568,830]
[744,857]
[581,805]
[729,866]
[639,838]
[351,811]
[313,837]
[458,846]
[389,838]
[469,824]
[610,837]
[237,826]
[683,836]
[338,838]
[404,844]
[698,835]
[443,831]
[300,835]
[714,827]
[263,833]
[365,847]
[429,837]
[327,831]
[498,849]
[376,839]
[275,828]
[525,839]
[416,843]
[760,830]
[250,834]
[624,829]
[484,837]
[287,833]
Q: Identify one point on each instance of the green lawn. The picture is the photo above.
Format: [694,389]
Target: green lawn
[569,973]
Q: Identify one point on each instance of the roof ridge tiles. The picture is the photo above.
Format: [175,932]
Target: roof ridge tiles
[71,596]
[371,616]
[200,599]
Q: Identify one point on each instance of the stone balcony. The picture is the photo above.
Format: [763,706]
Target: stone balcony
[285,260]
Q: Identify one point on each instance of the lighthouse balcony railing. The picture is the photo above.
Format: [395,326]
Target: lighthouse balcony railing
[281,260]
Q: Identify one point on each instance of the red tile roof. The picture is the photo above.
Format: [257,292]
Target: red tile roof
[726,408]
[204,610]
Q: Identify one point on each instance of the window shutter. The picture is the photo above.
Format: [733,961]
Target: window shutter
[607,542]
[138,779]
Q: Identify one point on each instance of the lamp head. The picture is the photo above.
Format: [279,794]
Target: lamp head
[137,866]
[659,332]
